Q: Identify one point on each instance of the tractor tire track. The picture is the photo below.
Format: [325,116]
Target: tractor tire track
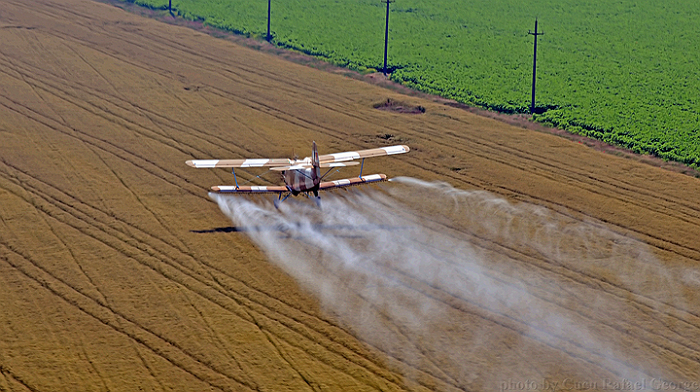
[212,292]
[160,137]
[159,345]
[234,82]
[68,202]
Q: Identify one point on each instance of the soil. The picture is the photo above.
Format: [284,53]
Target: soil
[392,105]
[118,272]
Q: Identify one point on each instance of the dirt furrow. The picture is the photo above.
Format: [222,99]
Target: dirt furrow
[182,274]
[108,238]
[159,345]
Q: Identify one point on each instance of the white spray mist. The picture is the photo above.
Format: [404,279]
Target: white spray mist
[465,290]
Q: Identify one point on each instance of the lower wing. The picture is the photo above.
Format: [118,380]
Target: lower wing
[352,181]
[324,186]
[249,189]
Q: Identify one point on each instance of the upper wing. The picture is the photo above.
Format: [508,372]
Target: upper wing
[352,155]
[324,160]
[212,163]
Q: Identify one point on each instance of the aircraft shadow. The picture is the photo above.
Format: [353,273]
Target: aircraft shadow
[287,230]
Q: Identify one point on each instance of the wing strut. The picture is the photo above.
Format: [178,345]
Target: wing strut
[234,177]
[361,166]
[326,173]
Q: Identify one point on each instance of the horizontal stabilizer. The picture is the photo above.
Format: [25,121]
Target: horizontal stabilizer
[352,181]
[249,189]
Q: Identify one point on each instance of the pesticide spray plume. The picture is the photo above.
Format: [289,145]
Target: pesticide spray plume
[464,290]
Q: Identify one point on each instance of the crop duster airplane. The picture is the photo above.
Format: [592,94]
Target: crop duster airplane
[301,175]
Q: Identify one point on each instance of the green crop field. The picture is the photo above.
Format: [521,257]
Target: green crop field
[626,72]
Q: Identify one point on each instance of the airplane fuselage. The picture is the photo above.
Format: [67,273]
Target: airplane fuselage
[301,180]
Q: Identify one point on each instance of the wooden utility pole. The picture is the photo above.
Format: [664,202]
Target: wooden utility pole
[534,67]
[386,32]
[269,37]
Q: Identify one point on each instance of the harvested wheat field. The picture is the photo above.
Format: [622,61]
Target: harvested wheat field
[500,259]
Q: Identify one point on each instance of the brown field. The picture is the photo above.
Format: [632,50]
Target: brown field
[550,263]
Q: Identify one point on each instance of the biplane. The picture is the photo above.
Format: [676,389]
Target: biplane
[300,176]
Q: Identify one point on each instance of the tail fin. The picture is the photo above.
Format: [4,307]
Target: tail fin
[316,165]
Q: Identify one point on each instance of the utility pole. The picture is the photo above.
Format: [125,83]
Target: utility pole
[386,32]
[534,67]
[170,7]
[269,37]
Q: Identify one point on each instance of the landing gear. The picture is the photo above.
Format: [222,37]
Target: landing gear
[279,200]
[317,199]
